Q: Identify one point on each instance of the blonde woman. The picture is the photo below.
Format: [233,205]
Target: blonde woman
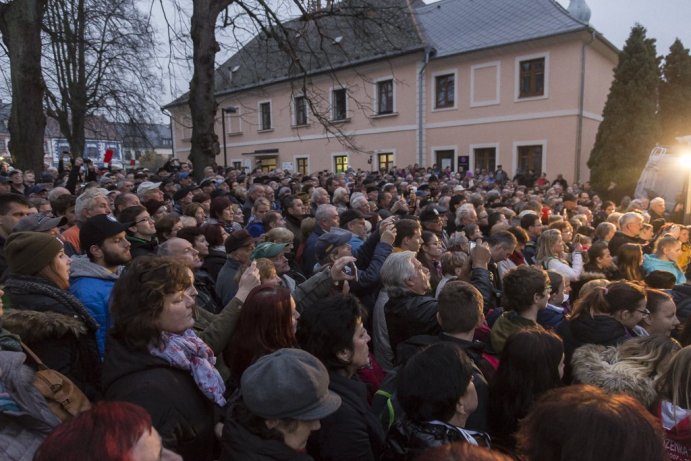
[551,255]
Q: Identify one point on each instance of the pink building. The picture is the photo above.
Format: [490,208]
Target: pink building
[459,83]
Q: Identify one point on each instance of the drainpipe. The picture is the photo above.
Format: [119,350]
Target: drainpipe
[421,107]
[581,103]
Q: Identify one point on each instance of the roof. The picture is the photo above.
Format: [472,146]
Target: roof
[357,31]
[460,26]
[144,135]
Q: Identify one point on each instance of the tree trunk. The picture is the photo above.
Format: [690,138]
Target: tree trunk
[20,24]
[202,102]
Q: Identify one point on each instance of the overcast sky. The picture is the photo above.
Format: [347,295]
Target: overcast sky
[665,20]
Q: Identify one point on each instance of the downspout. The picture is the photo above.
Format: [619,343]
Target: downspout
[581,103]
[421,107]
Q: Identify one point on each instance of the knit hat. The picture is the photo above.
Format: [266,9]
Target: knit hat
[29,252]
[289,384]
[98,228]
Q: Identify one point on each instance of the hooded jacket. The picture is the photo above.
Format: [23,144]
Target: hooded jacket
[599,366]
[179,411]
[92,285]
[653,263]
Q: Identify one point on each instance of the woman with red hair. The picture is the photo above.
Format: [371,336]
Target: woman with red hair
[267,322]
[109,431]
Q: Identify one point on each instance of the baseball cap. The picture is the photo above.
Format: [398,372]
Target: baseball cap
[268,250]
[288,384]
[38,222]
[431,213]
[98,228]
[328,241]
[146,186]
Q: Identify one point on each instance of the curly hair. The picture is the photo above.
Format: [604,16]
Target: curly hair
[138,296]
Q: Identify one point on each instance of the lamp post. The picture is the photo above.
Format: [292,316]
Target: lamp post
[224,111]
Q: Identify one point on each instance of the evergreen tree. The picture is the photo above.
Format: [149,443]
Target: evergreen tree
[629,129]
[675,94]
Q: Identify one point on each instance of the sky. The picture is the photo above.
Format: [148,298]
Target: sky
[665,20]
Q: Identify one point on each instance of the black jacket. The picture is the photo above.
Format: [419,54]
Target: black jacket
[410,315]
[353,432]
[240,444]
[407,439]
[214,262]
[142,247]
[179,411]
[618,240]
[57,327]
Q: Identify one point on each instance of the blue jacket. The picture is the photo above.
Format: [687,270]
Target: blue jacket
[653,263]
[92,285]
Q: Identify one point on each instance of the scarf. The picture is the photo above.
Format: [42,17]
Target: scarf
[188,352]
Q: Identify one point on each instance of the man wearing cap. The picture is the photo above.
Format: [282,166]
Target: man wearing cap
[276,253]
[93,274]
[182,197]
[431,219]
[148,190]
[40,222]
[239,246]
[354,221]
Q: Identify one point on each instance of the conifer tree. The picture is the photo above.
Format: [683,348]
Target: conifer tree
[629,129]
[675,94]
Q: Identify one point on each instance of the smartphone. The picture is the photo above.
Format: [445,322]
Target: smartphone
[351,270]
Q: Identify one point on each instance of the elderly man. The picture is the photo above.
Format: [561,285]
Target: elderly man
[91,203]
[319,197]
[656,209]
[409,310]
[256,190]
[629,227]
[327,218]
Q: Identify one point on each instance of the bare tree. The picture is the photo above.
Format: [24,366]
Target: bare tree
[99,63]
[20,25]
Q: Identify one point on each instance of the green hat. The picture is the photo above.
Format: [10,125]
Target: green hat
[29,252]
[267,250]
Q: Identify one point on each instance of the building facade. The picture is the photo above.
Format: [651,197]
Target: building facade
[468,85]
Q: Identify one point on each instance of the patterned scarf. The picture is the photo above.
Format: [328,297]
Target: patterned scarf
[188,352]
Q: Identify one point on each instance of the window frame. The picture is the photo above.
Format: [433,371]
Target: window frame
[518,77]
[378,100]
[453,74]
[260,116]
[334,117]
[334,162]
[300,110]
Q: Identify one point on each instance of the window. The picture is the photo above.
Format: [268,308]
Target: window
[265,116]
[485,158]
[444,88]
[385,161]
[2,145]
[339,100]
[530,158]
[237,165]
[92,152]
[340,163]
[385,97]
[532,78]
[300,109]
[267,164]
[301,165]
[232,120]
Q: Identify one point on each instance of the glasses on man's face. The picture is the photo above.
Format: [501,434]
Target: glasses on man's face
[148,218]
[645,312]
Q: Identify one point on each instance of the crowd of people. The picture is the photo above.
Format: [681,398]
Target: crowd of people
[366,315]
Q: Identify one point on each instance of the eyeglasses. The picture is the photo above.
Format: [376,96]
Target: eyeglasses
[645,312]
[148,218]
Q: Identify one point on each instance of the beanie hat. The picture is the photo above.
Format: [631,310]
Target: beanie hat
[29,252]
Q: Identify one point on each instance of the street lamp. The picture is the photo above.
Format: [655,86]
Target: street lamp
[224,111]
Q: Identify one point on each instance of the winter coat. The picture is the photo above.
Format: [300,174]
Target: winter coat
[25,419]
[179,411]
[407,439]
[214,262]
[57,327]
[599,366]
[309,255]
[408,315]
[653,263]
[240,444]
[227,283]
[92,285]
[141,247]
[506,325]
[618,240]
[206,292]
[676,423]
[353,432]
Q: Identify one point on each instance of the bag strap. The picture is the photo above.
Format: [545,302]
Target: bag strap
[34,357]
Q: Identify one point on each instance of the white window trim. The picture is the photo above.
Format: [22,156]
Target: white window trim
[331,104]
[471,153]
[339,154]
[433,154]
[295,162]
[514,154]
[375,106]
[517,76]
[260,128]
[294,112]
[433,101]
[485,102]
[232,161]
[229,126]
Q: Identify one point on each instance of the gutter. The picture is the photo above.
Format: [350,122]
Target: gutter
[581,103]
[421,107]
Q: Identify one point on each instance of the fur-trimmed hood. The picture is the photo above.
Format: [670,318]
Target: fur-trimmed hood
[35,326]
[597,365]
